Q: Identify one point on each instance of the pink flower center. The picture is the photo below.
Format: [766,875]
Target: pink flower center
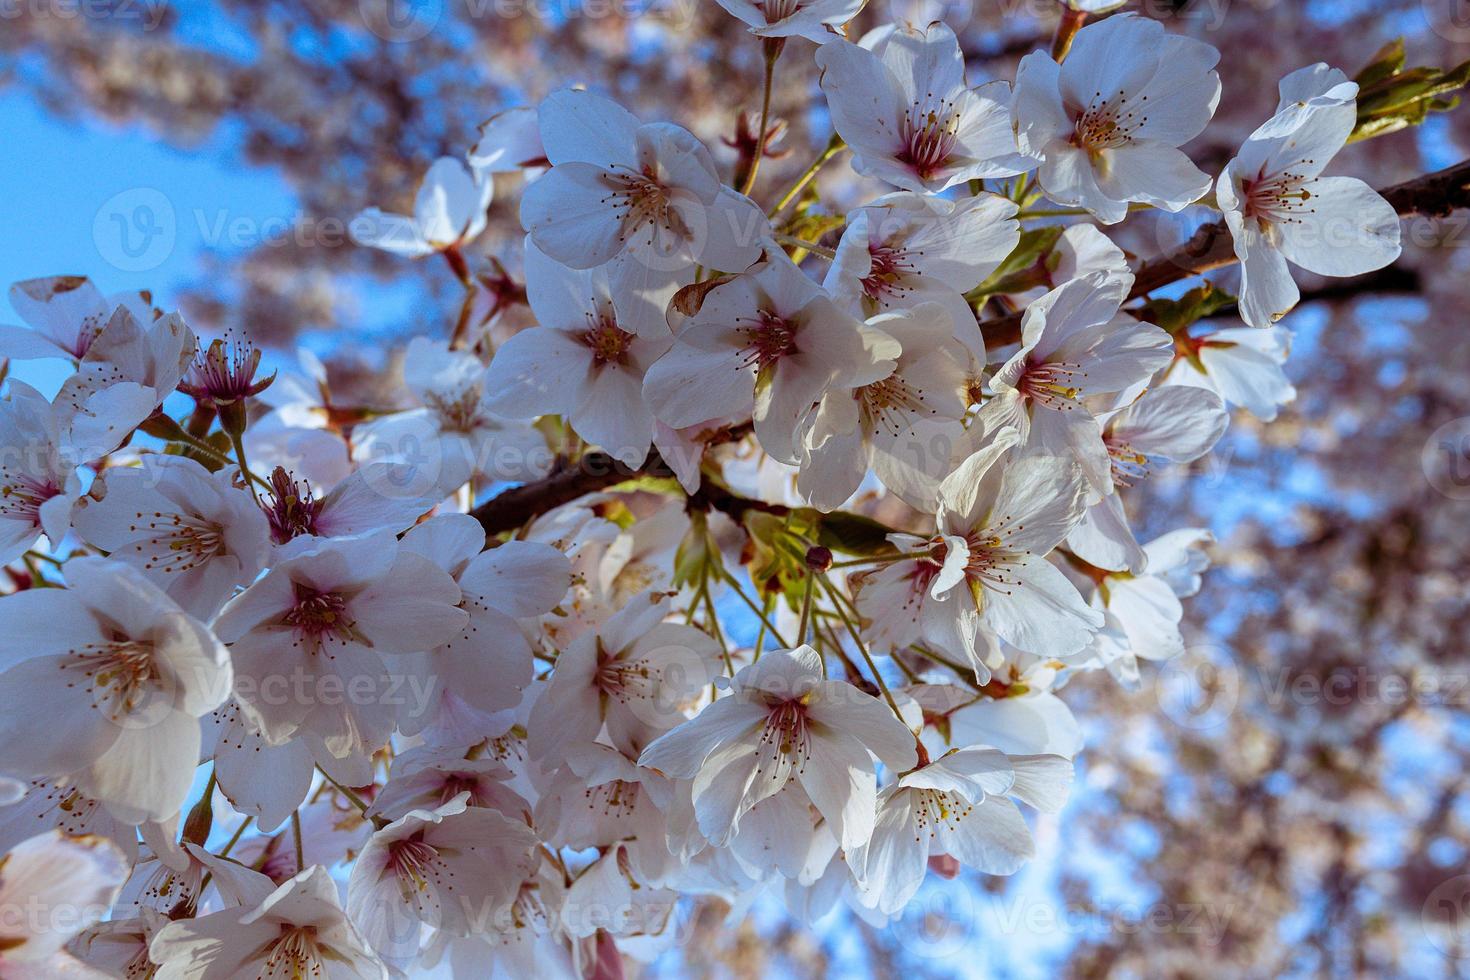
[890,404]
[1055,384]
[640,203]
[624,680]
[785,738]
[779,10]
[933,808]
[458,411]
[292,510]
[318,618]
[617,799]
[768,339]
[1129,466]
[176,542]
[295,953]
[1278,199]
[927,136]
[608,342]
[122,675]
[1108,123]
[890,265]
[21,495]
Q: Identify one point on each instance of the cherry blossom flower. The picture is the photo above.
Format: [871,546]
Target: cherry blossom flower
[631,675]
[444,868]
[367,499]
[427,777]
[118,947]
[770,342]
[193,533]
[648,191]
[905,249]
[449,211]
[957,806]
[518,580]
[600,798]
[783,721]
[510,141]
[1240,364]
[454,436]
[1143,611]
[891,425]
[1175,423]
[127,372]
[307,638]
[116,676]
[585,361]
[55,804]
[1281,209]
[51,887]
[65,314]
[998,518]
[607,900]
[900,100]
[815,20]
[38,483]
[298,930]
[270,780]
[1074,343]
[1107,122]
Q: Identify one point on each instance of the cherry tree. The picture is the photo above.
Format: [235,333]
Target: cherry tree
[731,539]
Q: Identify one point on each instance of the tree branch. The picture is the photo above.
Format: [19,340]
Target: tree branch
[1211,247]
[1433,195]
[593,472]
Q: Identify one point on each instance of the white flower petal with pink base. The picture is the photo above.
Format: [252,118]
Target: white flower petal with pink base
[299,926]
[66,883]
[782,721]
[908,115]
[815,20]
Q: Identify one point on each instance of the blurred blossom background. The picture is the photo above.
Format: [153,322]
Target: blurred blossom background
[1289,799]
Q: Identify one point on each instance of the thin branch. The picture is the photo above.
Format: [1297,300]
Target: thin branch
[1211,247]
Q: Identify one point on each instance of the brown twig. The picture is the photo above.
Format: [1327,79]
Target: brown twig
[1211,247]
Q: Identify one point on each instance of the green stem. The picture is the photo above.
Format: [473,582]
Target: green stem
[766,623]
[296,834]
[802,243]
[772,51]
[852,631]
[806,607]
[352,797]
[834,146]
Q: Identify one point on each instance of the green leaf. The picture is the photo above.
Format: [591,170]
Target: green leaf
[1178,315]
[1028,265]
[853,534]
[1391,98]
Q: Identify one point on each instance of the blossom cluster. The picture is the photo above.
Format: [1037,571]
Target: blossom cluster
[798,633]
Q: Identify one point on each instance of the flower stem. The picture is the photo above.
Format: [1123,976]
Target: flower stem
[766,623]
[772,50]
[834,146]
[852,631]
[806,608]
[802,243]
[296,835]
